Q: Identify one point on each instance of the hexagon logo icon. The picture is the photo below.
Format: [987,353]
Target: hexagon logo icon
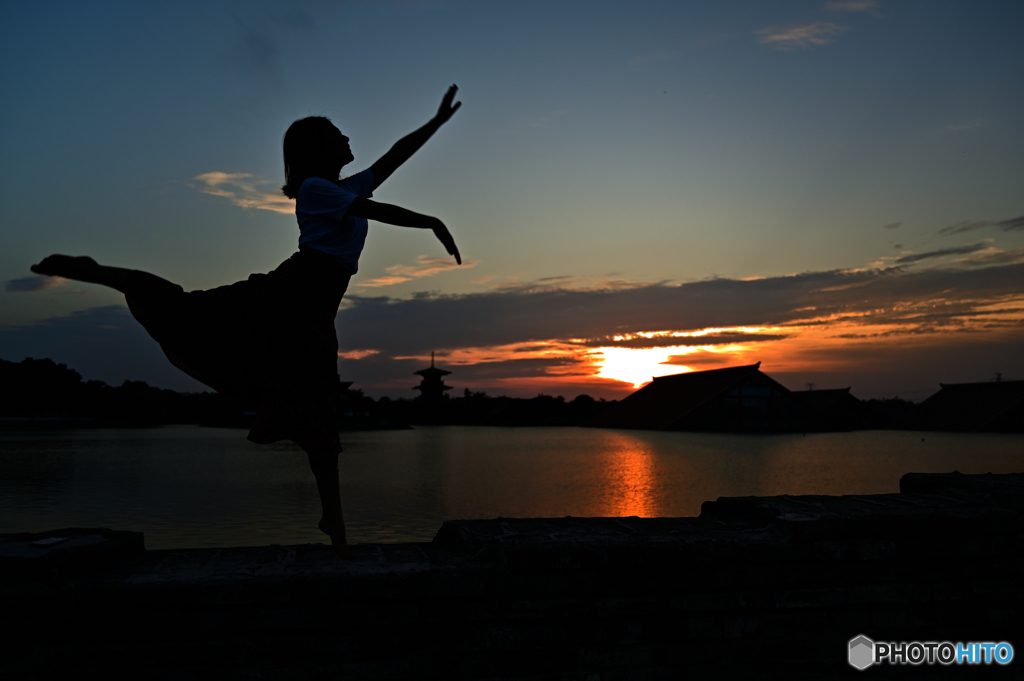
[862,652]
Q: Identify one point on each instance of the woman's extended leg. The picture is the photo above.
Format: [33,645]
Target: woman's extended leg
[84,268]
[324,464]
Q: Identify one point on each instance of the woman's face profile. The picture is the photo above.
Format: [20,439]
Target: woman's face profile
[340,149]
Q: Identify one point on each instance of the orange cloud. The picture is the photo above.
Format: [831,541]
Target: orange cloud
[804,36]
[356,354]
[243,190]
[539,336]
[426,266]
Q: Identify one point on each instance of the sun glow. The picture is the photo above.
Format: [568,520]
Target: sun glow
[633,365]
[640,365]
[612,365]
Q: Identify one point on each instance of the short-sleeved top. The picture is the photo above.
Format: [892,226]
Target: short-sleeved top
[321,208]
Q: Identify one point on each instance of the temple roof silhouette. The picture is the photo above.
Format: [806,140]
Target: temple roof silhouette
[432,387]
[733,399]
[993,406]
[431,371]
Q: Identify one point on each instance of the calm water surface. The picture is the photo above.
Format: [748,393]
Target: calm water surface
[186,486]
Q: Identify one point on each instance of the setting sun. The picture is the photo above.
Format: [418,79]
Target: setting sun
[639,365]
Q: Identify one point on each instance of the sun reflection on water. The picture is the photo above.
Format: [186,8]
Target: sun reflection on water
[628,484]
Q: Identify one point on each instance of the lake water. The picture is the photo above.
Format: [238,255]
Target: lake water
[186,486]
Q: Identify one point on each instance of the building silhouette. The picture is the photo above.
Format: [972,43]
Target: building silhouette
[840,409]
[432,387]
[736,399]
[992,407]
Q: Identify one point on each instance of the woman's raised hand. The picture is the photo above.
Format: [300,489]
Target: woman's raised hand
[445,237]
[445,111]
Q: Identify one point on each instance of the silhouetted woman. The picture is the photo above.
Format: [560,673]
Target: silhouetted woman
[271,338]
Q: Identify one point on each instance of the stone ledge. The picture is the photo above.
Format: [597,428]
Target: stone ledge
[1001,491]
[77,548]
[565,598]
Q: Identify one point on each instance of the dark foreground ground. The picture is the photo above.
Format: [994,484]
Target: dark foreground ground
[755,587]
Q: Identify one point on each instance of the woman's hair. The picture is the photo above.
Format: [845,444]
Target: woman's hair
[312,148]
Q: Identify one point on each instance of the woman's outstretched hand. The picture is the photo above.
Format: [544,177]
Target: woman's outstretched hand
[445,111]
[445,237]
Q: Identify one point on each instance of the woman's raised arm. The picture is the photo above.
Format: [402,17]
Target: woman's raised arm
[402,217]
[410,144]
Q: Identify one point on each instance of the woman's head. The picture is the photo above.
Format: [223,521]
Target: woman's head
[313,147]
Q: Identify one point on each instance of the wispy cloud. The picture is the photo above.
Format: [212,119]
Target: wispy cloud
[675,339]
[255,51]
[244,190]
[941,253]
[893,225]
[256,55]
[996,257]
[425,266]
[35,283]
[969,125]
[851,5]
[803,36]
[1011,225]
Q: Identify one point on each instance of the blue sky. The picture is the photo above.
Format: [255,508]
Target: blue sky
[660,152]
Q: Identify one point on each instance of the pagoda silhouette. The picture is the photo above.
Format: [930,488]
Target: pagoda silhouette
[432,386]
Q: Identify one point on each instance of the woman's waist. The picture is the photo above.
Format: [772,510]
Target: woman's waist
[309,274]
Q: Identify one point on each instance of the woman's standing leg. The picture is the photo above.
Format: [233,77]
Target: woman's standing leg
[324,464]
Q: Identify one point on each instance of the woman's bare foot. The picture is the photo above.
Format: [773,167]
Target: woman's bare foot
[84,268]
[81,268]
[338,539]
[324,464]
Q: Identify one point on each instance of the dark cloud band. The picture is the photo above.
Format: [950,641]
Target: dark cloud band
[29,284]
[421,324]
[941,253]
[1012,225]
[107,343]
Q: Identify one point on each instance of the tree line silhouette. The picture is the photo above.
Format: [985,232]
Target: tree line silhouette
[40,392]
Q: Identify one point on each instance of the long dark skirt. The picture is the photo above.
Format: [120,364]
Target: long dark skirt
[268,341]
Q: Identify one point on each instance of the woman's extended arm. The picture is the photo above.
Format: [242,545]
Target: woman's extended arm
[408,145]
[395,215]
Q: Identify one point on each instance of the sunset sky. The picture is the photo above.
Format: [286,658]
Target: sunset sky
[832,188]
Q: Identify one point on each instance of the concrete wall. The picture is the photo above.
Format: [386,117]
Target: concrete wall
[756,587]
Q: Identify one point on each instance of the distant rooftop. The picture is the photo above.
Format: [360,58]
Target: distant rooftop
[992,406]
